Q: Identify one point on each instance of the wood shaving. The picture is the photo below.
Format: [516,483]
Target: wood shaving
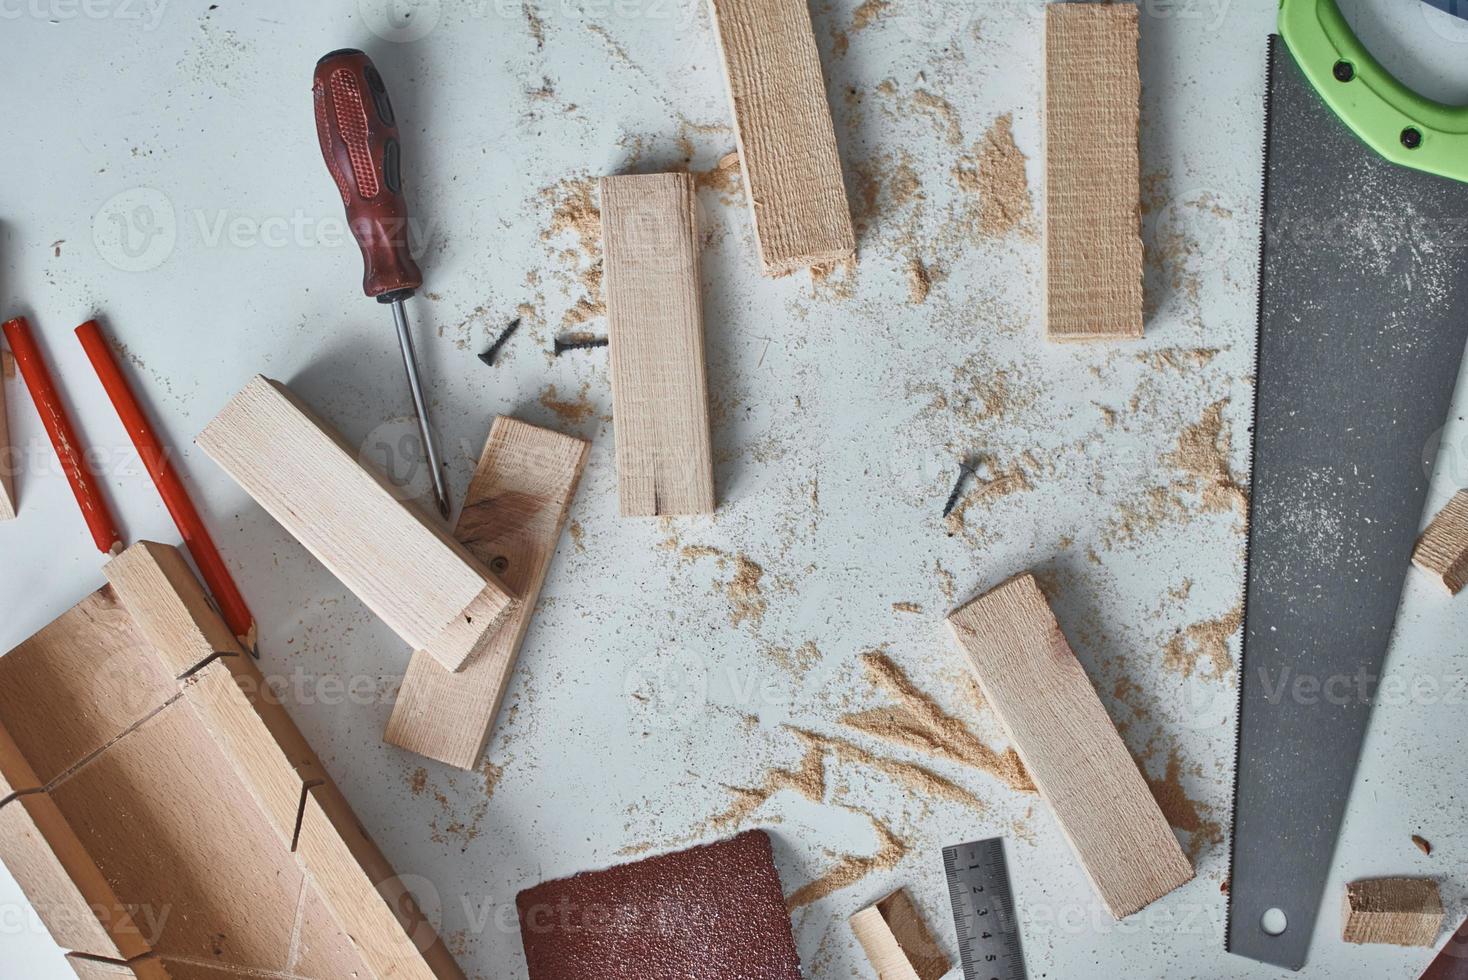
[746,601]
[808,779]
[572,412]
[1422,845]
[920,780]
[918,282]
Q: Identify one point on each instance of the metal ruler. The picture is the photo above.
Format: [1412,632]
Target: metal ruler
[983,911]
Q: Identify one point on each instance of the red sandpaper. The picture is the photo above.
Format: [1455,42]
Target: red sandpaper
[714,912]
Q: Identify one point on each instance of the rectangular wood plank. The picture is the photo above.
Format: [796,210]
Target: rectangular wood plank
[787,142]
[414,576]
[513,515]
[1093,245]
[1069,745]
[659,376]
[7,478]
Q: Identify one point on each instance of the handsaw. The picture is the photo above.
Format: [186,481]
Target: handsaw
[1363,316]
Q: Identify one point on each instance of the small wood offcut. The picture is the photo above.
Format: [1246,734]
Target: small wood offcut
[1396,911]
[897,941]
[1442,551]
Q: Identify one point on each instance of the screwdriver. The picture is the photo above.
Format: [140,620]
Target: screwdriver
[359,140]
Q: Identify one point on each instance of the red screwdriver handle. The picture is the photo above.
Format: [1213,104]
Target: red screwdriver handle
[359,139]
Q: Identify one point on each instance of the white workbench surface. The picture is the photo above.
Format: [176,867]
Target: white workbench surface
[840,412]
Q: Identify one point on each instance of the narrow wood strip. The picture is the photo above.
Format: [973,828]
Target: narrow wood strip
[787,142]
[513,514]
[8,456]
[659,378]
[1069,746]
[1093,245]
[897,941]
[412,574]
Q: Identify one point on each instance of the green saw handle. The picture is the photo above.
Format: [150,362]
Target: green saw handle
[1401,125]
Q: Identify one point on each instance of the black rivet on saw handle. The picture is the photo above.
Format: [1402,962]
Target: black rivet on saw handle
[1411,137]
[1344,71]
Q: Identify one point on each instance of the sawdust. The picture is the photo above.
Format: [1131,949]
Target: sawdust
[918,282]
[1182,811]
[574,211]
[827,283]
[868,13]
[1204,642]
[946,583]
[418,781]
[851,868]
[693,552]
[492,775]
[1202,452]
[535,24]
[921,781]
[995,171]
[808,779]
[941,112]
[907,607]
[797,662]
[746,601]
[917,722]
[572,412]
[1179,359]
[578,535]
[725,178]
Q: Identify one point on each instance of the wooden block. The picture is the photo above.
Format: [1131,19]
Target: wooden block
[659,378]
[897,942]
[513,514]
[419,580]
[1069,746]
[1442,551]
[787,143]
[1093,245]
[1399,911]
[7,459]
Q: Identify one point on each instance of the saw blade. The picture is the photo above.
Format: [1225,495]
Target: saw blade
[1363,315]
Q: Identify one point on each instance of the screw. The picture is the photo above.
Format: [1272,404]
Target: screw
[488,356]
[1411,137]
[564,345]
[1344,71]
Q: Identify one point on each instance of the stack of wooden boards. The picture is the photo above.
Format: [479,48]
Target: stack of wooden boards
[462,604]
[163,815]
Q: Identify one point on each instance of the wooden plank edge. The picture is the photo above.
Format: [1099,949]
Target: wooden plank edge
[366,897]
[58,876]
[147,967]
[426,684]
[8,509]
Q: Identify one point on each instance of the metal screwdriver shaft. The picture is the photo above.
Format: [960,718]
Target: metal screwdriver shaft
[420,405]
[359,141]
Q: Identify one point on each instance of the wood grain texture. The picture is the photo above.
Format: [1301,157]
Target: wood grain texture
[787,143]
[513,514]
[420,581]
[897,941]
[659,376]
[1442,551]
[7,479]
[211,775]
[1069,746]
[1397,911]
[1093,245]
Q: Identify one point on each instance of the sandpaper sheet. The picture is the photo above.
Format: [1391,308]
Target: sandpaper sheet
[714,912]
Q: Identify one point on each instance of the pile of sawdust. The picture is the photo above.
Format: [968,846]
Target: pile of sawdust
[1205,641]
[574,211]
[921,781]
[1182,811]
[995,171]
[724,179]
[808,779]
[1202,452]
[917,722]
[941,112]
[797,662]
[746,602]
[852,868]
[572,412]
[918,281]
[1179,359]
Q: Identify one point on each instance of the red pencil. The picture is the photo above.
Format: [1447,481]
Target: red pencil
[170,487]
[63,436]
